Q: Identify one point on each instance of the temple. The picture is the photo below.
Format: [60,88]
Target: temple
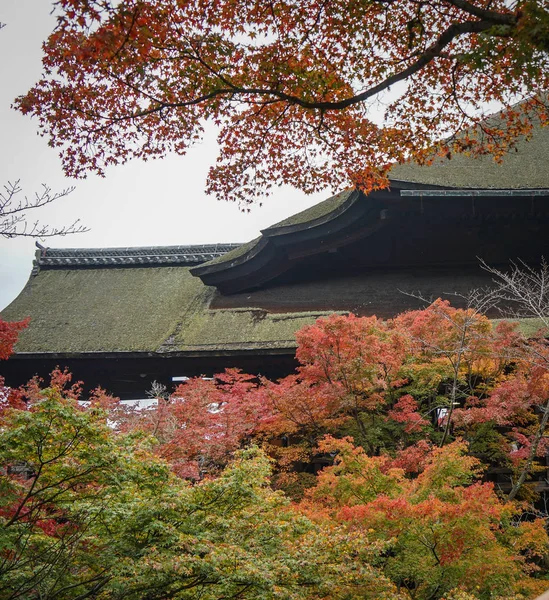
[125,317]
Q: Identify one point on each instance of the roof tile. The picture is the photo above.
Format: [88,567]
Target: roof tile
[144,255]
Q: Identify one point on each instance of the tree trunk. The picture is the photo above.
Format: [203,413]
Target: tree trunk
[533,450]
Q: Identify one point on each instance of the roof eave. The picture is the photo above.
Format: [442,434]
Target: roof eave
[275,232]
[245,350]
[259,264]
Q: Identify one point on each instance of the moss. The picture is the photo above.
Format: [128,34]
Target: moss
[92,310]
[151,309]
[248,328]
[315,212]
[524,169]
[234,254]
[154,309]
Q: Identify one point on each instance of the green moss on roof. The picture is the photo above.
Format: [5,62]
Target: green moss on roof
[234,254]
[154,309]
[315,212]
[92,310]
[522,168]
[162,309]
[254,328]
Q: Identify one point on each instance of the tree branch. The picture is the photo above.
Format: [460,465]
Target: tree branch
[13,213]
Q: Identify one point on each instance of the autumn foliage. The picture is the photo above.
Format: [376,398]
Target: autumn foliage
[401,461]
[311,94]
[201,424]
[8,336]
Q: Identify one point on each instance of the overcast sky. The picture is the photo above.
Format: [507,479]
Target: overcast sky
[139,204]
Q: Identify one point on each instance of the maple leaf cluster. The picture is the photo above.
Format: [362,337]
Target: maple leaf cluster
[312,94]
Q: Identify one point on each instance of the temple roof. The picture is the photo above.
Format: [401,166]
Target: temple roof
[326,226]
[229,298]
[77,308]
[165,311]
[317,214]
[523,167]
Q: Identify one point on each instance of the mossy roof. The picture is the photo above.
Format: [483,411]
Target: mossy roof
[236,253]
[318,211]
[140,309]
[147,309]
[524,167]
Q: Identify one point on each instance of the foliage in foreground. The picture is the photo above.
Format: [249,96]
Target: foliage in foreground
[89,513]
[384,439]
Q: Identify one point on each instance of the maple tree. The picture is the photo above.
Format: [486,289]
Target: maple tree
[86,511]
[356,375]
[200,425]
[402,386]
[292,86]
[442,530]
[459,346]
[525,288]
[176,502]
[8,336]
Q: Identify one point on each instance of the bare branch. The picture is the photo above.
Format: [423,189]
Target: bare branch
[478,300]
[522,291]
[14,221]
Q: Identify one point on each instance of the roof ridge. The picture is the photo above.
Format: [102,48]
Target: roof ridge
[129,256]
[131,249]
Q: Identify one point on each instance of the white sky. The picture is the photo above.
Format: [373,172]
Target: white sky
[138,204]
